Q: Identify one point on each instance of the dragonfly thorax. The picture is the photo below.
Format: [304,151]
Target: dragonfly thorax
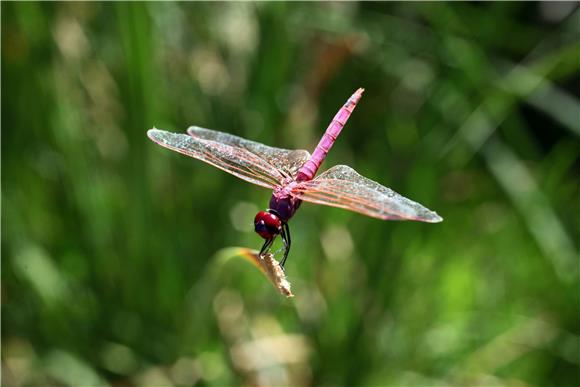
[284,204]
[267,224]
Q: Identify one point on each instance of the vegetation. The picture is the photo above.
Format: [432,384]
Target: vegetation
[113,262]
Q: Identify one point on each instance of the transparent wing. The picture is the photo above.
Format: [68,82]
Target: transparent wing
[285,160]
[341,186]
[233,159]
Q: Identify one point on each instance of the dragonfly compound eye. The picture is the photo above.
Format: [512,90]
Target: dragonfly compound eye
[267,225]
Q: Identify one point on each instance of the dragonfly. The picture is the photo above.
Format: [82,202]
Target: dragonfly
[291,176]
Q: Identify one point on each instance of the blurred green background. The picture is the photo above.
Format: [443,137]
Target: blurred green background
[111,245]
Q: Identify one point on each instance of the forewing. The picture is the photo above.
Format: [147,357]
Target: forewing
[341,186]
[285,160]
[233,159]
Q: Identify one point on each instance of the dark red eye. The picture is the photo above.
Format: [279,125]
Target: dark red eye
[267,225]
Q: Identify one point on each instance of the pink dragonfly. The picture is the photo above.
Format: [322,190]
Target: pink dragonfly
[290,173]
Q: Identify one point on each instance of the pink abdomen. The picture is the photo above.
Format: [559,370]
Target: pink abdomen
[309,169]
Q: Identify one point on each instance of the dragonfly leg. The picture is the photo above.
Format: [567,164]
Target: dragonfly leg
[266,246]
[286,239]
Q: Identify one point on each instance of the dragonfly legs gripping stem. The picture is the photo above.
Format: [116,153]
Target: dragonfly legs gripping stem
[266,246]
[285,234]
[286,239]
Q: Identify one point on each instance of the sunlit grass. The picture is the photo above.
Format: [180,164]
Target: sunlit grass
[109,270]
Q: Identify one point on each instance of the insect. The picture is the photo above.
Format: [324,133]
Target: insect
[290,174]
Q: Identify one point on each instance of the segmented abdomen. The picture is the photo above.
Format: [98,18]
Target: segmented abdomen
[309,169]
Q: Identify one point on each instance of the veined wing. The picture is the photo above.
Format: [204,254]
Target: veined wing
[285,160]
[341,186]
[233,159]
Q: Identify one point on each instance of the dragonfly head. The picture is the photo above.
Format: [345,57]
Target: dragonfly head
[267,224]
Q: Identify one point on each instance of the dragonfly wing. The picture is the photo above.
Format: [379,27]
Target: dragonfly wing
[285,160]
[341,186]
[233,159]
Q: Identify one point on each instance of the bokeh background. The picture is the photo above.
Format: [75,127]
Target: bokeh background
[113,271]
